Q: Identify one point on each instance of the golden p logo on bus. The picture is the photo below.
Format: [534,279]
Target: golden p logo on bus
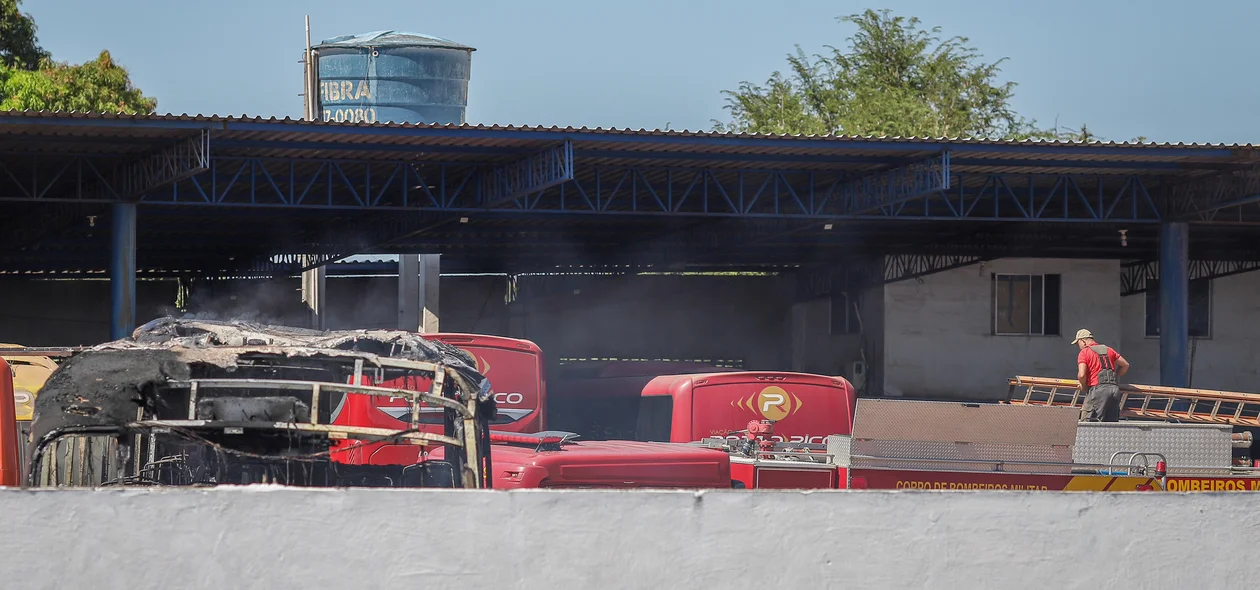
[773,403]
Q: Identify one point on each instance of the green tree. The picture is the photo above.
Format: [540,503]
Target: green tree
[31,80]
[98,86]
[894,79]
[18,45]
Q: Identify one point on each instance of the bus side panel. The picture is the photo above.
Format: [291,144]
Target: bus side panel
[803,413]
[514,377]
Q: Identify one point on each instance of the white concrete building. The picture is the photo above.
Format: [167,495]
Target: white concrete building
[964,332]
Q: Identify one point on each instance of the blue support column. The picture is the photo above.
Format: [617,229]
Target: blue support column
[122,271]
[1174,304]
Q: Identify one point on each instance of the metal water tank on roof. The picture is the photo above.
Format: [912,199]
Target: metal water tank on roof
[392,76]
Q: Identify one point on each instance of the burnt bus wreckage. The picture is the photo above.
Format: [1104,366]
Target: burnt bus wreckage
[205,403]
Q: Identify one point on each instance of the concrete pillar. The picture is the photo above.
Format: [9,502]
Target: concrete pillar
[122,271]
[408,291]
[1174,304]
[418,292]
[313,288]
[430,286]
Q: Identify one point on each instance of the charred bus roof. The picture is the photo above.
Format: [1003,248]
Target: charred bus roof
[248,403]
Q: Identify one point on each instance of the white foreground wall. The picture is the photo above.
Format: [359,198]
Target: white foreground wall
[284,538]
[938,341]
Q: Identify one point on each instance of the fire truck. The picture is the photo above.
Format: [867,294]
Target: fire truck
[1031,441]
[557,460]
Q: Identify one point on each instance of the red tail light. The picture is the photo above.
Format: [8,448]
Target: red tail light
[524,439]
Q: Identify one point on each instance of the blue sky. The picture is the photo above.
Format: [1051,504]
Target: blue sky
[1171,71]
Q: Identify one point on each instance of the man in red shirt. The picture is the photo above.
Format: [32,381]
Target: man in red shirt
[1099,368]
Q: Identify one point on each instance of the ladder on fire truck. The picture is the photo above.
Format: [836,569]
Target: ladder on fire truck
[1145,402]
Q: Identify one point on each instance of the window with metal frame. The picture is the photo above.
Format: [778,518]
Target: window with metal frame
[1025,304]
[1200,308]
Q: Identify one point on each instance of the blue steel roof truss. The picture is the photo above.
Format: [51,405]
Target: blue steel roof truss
[1229,196]
[348,183]
[79,177]
[611,190]
[1135,273]
[677,197]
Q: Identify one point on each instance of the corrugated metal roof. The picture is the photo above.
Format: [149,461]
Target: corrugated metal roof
[592,133]
[122,135]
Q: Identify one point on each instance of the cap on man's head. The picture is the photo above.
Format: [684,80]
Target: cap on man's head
[1082,334]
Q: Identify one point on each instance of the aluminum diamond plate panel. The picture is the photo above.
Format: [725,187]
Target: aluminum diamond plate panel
[840,447]
[900,434]
[1184,445]
[883,419]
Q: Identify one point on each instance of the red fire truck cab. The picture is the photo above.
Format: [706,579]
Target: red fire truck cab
[555,460]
